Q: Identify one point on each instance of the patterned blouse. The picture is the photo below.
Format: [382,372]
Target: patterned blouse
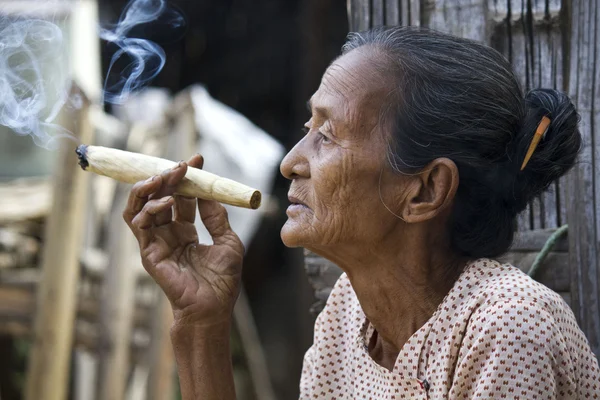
[498,334]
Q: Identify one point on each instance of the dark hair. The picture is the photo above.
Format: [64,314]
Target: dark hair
[460,99]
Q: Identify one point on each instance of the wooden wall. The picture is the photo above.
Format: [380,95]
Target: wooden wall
[550,44]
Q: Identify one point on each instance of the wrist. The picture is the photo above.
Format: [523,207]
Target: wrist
[208,330]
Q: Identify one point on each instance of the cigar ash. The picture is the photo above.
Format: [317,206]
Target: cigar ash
[82,155]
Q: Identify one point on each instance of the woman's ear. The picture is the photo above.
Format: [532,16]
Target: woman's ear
[431,191]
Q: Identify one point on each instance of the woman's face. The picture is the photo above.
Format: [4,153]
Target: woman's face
[336,169]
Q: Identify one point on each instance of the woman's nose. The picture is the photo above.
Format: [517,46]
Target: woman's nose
[295,164]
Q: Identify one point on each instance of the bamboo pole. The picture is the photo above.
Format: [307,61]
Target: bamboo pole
[117,307]
[50,357]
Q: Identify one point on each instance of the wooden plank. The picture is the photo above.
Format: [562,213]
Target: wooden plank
[377,13]
[322,275]
[533,241]
[255,357]
[359,15]
[542,10]
[392,12]
[117,305]
[465,18]
[547,47]
[415,12]
[25,198]
[404,12]
[553,273]
[17,302]
[50,355]
[566,296]
[583,197]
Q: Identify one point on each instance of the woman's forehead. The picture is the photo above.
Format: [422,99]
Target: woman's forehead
[353,81]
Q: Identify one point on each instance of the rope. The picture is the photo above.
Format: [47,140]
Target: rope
[539,259]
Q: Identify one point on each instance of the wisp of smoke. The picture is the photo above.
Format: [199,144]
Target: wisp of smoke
[146,58]
[31,95]
[34,75]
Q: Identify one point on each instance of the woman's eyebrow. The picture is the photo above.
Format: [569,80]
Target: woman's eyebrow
[324,111]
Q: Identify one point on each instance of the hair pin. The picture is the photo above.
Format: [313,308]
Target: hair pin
[540,131]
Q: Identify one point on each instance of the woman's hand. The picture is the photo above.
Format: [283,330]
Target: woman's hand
[202,282]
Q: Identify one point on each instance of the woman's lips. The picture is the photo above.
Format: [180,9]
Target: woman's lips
[296,206]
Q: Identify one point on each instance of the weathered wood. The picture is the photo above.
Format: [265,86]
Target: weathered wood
[17,302]
[583,197]
[26,198]
[466,18]
[255,357]
[322,275]
[359,18]
[533,241]
[553,273]
[17,250]
[50,355]
[117,305]
[392,13]
[377,13]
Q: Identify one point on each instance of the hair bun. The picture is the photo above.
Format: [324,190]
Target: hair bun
[556,152]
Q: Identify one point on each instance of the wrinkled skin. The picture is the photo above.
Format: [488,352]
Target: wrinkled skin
[385,229]
[202,282]
[338,170]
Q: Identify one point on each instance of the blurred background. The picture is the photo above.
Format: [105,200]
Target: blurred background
[79,317]
[261,58]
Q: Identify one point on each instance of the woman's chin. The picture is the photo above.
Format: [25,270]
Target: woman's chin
[294,235]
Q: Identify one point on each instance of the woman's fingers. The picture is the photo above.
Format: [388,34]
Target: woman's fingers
[196,161]
[170,179]
[214,217]
[138,196]
[145,220]
[185,207]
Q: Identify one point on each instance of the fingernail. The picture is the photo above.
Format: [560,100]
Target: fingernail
[151,179]
[167,199]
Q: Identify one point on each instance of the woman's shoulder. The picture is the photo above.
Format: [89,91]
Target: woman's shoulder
[488,283]
[510,326]
[504,299]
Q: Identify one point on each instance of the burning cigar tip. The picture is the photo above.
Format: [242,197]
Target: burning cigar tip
[82,155]
[255,200]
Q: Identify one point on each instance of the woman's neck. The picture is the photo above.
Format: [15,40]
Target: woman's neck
[399,290]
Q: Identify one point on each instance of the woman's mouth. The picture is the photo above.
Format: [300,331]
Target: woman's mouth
[296,206]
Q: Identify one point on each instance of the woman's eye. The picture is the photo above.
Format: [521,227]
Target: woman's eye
[323,138]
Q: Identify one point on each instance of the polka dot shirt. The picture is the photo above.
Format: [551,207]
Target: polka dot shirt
[498,334]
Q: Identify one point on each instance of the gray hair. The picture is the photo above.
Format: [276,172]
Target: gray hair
[457,98]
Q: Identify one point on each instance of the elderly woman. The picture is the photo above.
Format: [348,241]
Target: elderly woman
[419,155]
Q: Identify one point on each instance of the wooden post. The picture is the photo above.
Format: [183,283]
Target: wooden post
[583,202]
[255,357]
[50,357]
[117,307]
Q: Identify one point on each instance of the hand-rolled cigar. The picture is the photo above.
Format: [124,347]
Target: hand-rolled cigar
[130,167]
